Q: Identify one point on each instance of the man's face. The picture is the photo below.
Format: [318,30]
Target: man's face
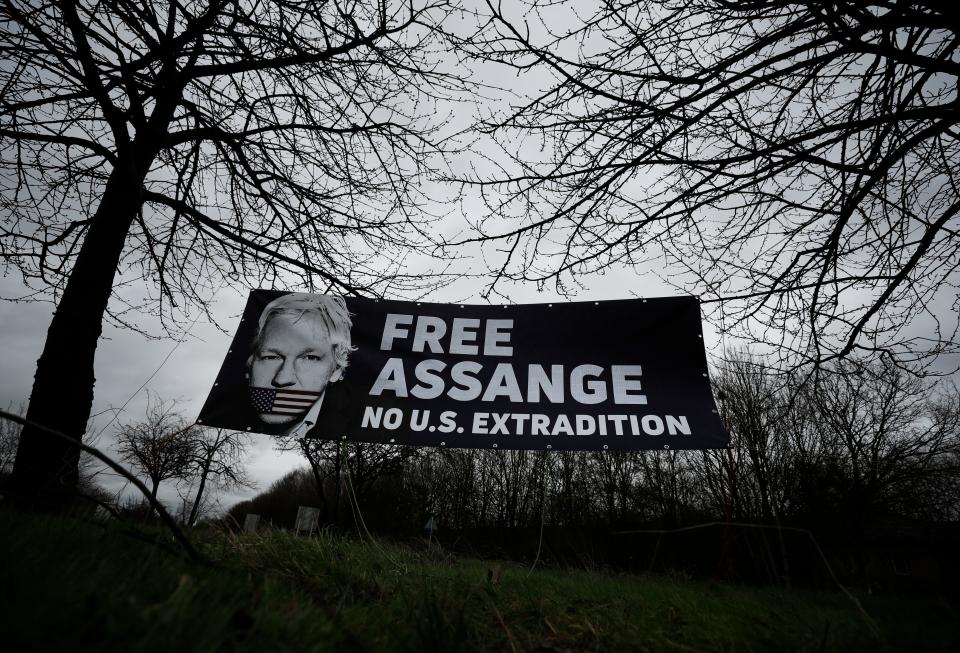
[295,354]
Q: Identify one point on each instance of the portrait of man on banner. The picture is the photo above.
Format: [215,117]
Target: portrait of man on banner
[300,353]
[622,375]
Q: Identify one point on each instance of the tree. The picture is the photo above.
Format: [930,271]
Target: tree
[88,468]
[277,505]
[160,447]
[891,437]
[615,474]
[796,161]
[855,442]
[195,143]
[754,411]
[366,463]
[217,457]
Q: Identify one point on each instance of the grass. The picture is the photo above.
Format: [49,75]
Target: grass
[68,584]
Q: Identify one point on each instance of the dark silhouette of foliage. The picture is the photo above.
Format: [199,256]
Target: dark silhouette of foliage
[277,505]
[859,443]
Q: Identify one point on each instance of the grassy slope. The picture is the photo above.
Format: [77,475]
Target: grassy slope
[66,584]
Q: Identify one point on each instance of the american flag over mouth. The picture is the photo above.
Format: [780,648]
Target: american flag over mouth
[277,401]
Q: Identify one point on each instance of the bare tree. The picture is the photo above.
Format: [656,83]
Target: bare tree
[195,143]
[754,410]
[615,475]
[665,488]
[217,458]
[856,444]
[317,454]
[366,463]
[796,161]
[160,447]
[571,488]
[891,445]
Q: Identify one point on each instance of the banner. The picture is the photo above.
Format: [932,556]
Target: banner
[617,375]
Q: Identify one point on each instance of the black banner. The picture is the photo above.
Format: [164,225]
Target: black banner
[619,375]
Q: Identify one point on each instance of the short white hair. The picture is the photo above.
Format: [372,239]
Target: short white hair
[333,314]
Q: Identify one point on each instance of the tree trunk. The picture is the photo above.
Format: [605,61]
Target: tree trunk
[45,472]
[336,475]
[318,481]
[151,510]
[203,482]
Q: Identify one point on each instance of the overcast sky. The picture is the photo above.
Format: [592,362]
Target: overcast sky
[129,365]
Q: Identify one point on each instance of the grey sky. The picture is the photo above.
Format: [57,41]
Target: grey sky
[126,360]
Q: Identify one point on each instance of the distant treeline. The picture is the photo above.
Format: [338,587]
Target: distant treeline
[836,450]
